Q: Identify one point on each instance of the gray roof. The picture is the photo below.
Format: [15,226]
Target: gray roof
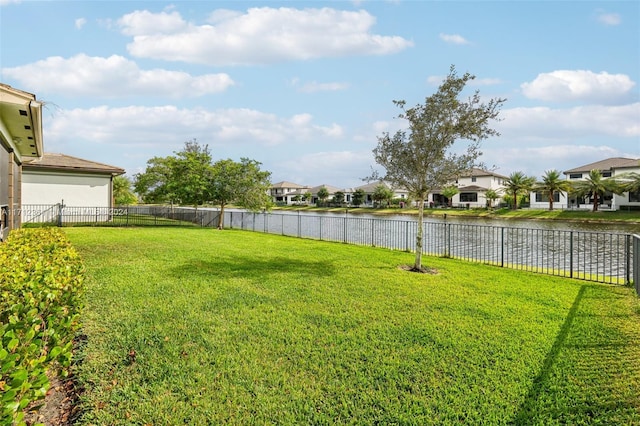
[608,164]
[62,162]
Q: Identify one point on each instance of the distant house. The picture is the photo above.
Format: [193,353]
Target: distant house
[611,167]
[284,192]
[20,139]
[63,179]
[314,192]
[369,190]
[472,189]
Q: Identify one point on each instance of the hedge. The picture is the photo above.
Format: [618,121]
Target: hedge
[41,290]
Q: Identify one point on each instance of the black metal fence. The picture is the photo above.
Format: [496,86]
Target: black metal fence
[612,258]
[593,256]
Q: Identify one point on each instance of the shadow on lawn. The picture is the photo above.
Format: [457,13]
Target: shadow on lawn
[589,373]
[252,267]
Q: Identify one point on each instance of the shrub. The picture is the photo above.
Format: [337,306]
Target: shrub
[41,278]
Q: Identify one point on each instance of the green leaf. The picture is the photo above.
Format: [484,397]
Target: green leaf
[13,343]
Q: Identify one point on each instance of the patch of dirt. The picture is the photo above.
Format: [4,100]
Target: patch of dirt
[60,405]
[423,270]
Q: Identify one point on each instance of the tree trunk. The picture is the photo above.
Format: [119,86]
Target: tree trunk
[221,218]
[595,202]
[418,262]
[551,202]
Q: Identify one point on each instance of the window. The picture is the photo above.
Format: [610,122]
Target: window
[468,197]
[473,179]
[575,175]
[541,197]
[606,174]
[634,197]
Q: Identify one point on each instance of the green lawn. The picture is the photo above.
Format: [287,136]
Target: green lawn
[200,326]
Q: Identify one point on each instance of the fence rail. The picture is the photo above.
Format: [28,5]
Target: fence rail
[612,258]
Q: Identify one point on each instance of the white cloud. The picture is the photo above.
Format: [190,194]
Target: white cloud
[611,19]
[259,36]
[138,126]
[314,86]
[111,77]
[579,85]
[6,2]
[544,123]
[80,22]
[143,23]
[453,38]
[559,157]
[335,168]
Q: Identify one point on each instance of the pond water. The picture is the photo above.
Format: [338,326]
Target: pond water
[556,224]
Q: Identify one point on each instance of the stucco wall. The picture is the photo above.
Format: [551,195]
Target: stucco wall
[77,190]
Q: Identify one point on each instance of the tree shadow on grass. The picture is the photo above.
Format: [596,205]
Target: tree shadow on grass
[250,267]
[589,373]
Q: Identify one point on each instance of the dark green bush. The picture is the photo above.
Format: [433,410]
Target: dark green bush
[41,290]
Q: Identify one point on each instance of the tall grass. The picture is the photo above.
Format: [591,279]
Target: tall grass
[199,326]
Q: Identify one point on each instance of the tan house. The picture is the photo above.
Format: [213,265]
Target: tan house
[20,139]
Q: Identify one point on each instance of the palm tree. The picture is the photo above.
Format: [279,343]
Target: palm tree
[449,192]
[491,195]
[630,182]
[596,186]
[518,184]
[551,184]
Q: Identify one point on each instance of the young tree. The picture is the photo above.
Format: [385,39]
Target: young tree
[323,194]
[518,184]
[122,193]
[551,184]
[358,197]
[382,195]
[338,198]
[596,186]
[491,195]
[240,183]
[422,158]
[449,192]
[308,197]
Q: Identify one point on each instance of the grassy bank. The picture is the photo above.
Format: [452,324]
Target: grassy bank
[199,326]
[533,214]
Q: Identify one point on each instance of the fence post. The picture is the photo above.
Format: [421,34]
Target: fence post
[502,247]
[344,236]
[447,240]
[571,254]
[406,236]
[627,249]
[60,208]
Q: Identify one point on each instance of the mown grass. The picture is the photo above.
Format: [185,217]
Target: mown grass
[199,326]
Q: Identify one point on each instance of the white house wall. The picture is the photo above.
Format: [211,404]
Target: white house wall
[77,190]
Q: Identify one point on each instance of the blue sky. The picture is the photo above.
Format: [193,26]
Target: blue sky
[307,87]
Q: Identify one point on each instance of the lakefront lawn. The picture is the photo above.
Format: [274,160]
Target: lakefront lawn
[200,326]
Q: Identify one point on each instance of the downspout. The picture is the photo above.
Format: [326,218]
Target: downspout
[10,184]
